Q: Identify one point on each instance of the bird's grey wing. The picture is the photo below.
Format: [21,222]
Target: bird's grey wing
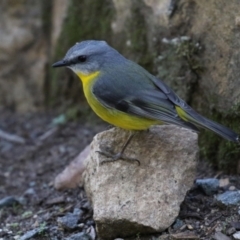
[150,104]
[172,96]
[190,115]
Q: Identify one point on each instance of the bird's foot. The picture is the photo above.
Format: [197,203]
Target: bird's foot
[116,157]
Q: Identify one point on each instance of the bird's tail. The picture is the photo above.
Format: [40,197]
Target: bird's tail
[200,121]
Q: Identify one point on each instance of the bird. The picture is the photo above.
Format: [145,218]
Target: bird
[126,95]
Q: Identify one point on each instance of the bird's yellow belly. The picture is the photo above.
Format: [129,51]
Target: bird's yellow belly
[112,116]
[118,118]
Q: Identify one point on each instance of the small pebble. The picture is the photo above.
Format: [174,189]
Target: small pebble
[79,236]
[220,236]
[9,202]
[91,232]
[190,227]
[32,233]
[178,224]
[223,182]
[232,188]
[229,198]
[77,211]
[81,225]
[29,192]
[70,220]
[236,235]
[209,185]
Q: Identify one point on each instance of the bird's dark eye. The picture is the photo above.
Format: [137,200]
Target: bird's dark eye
[82,58]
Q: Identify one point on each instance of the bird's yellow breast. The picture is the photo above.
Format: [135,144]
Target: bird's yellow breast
[110,115]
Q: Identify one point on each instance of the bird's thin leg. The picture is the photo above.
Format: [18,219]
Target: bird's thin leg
[127,143]
[119,156]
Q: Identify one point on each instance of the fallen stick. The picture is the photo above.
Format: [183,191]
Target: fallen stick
[11,137]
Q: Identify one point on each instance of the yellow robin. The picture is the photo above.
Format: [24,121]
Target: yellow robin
[124,94]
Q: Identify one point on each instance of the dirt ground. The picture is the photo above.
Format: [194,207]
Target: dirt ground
[27,172]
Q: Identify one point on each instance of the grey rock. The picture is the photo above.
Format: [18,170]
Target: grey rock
[91,232]
[9,202]
[29,192]
[220,236]
[79,236]
[71,177]
[32,233]
[70,220]
[78,212]
[229,198]
[236,235]
[178,223]
[129,199]
[209,185]
[81,225]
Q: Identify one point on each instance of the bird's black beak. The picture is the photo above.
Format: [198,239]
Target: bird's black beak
[61,63]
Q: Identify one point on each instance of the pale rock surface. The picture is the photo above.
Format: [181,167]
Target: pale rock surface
[129,199]
[71,176]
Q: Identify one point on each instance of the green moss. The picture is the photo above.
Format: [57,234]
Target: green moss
[136,33]
[222,153]
[46,11]
[179,65]
[189,50]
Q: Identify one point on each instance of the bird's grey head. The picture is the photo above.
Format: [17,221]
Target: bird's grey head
[88,56]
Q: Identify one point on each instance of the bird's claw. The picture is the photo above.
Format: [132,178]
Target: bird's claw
[116,157]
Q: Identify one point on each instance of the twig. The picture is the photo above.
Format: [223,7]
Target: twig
[48,134]
[214,219]
[212,229]
[191,215]
[11,137]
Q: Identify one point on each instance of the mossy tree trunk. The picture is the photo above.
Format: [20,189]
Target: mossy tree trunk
[86,19]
